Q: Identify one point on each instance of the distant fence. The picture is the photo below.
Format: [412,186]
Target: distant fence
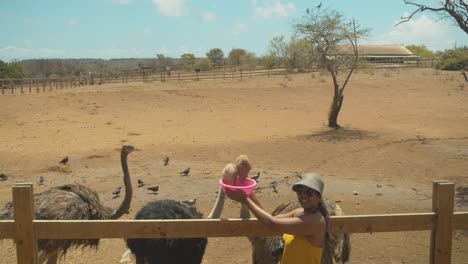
[157,75]
[49,84]
[25,230]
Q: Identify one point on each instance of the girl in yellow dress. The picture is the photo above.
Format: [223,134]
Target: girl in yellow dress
[304,228]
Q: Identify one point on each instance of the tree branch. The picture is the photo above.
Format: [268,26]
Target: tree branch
[456,9]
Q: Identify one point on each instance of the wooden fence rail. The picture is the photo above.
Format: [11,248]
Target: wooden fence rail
[25,231]
[49,84]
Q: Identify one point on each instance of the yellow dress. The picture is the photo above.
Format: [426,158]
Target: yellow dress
[297,250]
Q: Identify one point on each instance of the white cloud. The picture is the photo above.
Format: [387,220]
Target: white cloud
[73,22]
[12,52]
[147,31]
[240,28]
[122,2]
[31,20]
[273,8]
[115,53]
[207,16]
[172,8]
[434,34]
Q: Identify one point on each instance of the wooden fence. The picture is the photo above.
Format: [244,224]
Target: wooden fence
[25,231]
[49,84]
[46,85]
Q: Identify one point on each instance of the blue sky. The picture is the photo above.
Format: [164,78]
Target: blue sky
[106,29]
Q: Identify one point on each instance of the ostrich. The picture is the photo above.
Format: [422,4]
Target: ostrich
[73,202]
[167,250]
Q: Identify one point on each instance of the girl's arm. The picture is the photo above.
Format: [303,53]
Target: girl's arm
[302,225]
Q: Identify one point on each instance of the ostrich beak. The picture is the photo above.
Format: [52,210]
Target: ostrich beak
[137,149]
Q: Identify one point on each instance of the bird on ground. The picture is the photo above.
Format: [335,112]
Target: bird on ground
[319,5]
[141,182]
[166,161]
[116,192]
[154,189]
[255,178]
[190,202]
[64,161]
[3,177]
[41,180]
[185,172]
[274,186]
[307,10]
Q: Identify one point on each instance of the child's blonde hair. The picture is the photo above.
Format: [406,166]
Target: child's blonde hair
[242,161]
[230,170]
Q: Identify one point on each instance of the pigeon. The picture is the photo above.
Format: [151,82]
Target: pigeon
[3,177]
[190,202]
[274,186]
[166,161]
[255,178]
[41,180]
[64,161]
[140,182]
[154,189]
[116,192]
[185,172]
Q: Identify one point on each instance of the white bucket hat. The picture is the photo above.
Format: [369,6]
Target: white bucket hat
[311,180]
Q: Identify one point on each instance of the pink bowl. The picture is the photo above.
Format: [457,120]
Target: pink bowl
[246,187]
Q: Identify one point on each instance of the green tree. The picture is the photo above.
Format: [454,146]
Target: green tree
[216,56]
[454,60]
[13,69]
[420,51]
[188,60]
[269,60]
[326,30]
[277,48]
[235,56]
[205,64]
[298,54]
[248,61]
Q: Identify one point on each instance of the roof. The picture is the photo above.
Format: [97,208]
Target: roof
[378,50]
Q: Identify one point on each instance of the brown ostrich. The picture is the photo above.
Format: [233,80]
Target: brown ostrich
[73,202]
[268,249]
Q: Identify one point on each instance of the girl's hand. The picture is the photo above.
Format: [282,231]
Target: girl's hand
[237,195]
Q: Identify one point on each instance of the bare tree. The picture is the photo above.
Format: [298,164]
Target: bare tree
[453,9]
[327,33]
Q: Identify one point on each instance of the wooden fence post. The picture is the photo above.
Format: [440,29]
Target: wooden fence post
[29,83]
[26,243]
[21,86]
[12,85]
[3,87]
[441,234]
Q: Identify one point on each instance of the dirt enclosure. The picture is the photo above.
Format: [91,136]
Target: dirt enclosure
[402,130]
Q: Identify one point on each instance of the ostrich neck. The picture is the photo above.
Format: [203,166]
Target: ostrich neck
[125,205]
[244,211]
[219,204]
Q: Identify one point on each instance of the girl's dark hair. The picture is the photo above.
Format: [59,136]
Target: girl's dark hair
[327,241]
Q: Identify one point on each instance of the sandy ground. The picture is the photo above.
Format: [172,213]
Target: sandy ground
[402,130]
